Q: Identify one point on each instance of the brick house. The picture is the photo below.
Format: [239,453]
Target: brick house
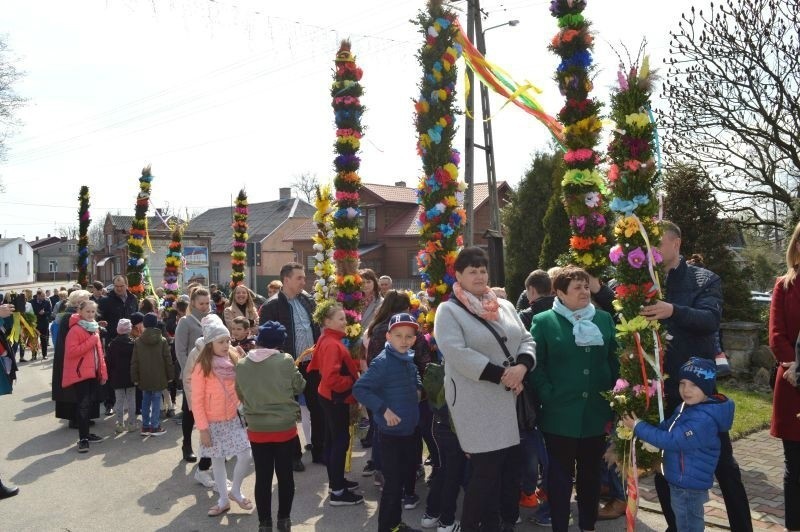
[270,222]
[389,238]
[112,258]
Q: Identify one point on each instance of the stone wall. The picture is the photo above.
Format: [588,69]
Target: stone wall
[740,341]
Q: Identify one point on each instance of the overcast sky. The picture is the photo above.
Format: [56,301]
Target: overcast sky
[223,94]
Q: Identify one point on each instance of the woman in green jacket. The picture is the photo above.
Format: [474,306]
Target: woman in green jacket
[267,382]
[576,361]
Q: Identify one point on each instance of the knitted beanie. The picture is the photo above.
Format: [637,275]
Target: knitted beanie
[271,335]
[124,326]
[702,372]
[150,320]
[213,328]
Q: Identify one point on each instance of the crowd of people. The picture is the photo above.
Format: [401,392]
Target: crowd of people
[506,398]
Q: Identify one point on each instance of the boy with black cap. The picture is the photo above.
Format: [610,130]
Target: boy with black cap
[151,371]
[690,440]
[391,389]
[267,382]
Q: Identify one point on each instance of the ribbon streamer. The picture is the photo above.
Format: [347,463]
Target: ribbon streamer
[500,81]
[147,235]
[633,490]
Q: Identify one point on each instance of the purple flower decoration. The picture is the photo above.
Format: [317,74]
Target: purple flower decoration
[636,258]
[599,220]
[616,254]
[620,385]
[579,223]
[455,157]
[657,258]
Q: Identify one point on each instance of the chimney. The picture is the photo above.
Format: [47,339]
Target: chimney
[284,193]
[48,235]
[400,184]
[37,238]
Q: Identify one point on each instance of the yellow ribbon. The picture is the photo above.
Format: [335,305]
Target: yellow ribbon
[147,235]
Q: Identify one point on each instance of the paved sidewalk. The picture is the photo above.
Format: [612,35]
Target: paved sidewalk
[760,458]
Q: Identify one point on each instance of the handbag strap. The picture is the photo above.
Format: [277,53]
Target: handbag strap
[500,340]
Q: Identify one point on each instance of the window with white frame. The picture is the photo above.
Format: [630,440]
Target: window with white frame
[52,266]
[371,217]
[5,269]
[29,267]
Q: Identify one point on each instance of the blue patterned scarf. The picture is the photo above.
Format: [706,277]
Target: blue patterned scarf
[585,331]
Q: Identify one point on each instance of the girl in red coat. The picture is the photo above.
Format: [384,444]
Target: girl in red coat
[784,326]
[84,367]
[338,372]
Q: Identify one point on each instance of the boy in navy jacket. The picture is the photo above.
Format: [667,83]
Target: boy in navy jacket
[690,441]
[391,389]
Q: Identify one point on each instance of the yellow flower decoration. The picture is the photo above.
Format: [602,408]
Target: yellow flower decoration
[640,120]
[626,226]
[623,432]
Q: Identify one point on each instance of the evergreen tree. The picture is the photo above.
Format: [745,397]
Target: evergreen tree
[523,218]
[555,223]
[691,204]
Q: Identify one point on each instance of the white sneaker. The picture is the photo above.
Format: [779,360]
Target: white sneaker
[204,477]
[429,522]
[455,527]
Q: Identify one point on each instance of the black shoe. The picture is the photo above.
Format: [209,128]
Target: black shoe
[109,411]
[83,446]
[285,525]
[309,447]
[21,360]
[7,491]
[368,470]
[298,466]
[347,498]
[349,485]
[189,456]
[265,526]
[94,438]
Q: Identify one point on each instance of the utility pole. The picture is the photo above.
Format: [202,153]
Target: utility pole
[469,137]
[494,235]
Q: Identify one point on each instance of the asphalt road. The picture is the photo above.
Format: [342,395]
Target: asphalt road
[130,483]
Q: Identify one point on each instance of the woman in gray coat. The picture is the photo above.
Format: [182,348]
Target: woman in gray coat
[481,386]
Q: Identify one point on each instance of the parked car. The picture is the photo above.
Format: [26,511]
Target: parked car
[761,298]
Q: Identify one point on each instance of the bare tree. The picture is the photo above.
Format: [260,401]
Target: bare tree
[306,184]
[97,239]
[9,100]
[70,232]
[733,83]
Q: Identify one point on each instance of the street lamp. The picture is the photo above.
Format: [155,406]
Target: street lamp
[511,23]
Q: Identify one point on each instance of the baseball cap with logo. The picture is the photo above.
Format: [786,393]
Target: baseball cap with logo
[403,320]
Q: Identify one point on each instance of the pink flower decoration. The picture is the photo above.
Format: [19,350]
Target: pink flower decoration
[616,254]
[636,258]
[579,222]
[632,165]
[613,173]
[623,82]
[599,220]
[657,258]
[578,156]
[638,389]
[621,385]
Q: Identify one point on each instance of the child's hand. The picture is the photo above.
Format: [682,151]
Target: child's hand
[629,420]
[205,438]
[391,418]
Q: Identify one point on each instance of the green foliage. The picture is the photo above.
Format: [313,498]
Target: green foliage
[555,224]
[753,410]
[692,206]
[523,219]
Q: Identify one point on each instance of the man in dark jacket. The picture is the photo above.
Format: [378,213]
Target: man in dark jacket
[538,294]
[44,311]
[117,305]
[110,309]
[691,314]
[293,308]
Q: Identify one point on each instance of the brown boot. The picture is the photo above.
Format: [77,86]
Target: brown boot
[612,510]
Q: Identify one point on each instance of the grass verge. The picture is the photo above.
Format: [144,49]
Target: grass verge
[753,410]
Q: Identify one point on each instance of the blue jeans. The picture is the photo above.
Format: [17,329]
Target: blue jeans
[151,409]
[533,455]
[688,507]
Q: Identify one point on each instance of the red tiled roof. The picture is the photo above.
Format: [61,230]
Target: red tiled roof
[404,225]
[392,193]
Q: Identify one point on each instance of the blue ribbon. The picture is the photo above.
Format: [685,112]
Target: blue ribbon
[628,206]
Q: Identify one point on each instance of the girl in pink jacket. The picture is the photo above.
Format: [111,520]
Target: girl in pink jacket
[84,367]
[215,408]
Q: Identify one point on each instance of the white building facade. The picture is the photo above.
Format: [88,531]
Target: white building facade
[16,261]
